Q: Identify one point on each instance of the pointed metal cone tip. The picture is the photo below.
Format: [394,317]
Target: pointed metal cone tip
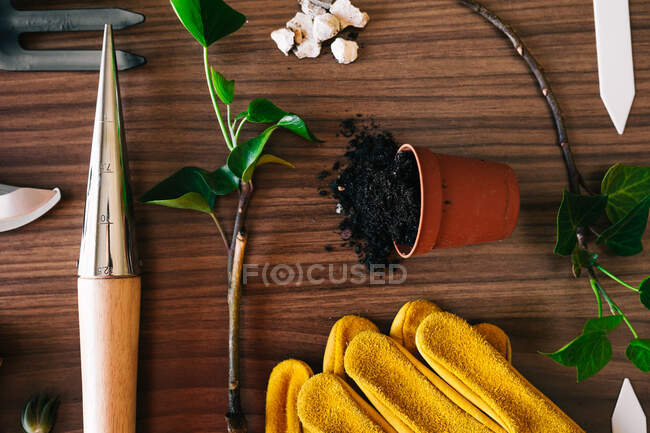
[108,237]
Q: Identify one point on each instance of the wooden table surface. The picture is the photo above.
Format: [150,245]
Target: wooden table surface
[431,72]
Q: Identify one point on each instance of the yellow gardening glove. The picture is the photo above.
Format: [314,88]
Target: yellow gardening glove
[465,360]
[343,331]
[409,395]
[285,382]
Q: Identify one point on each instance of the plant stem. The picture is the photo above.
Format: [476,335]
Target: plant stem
[239,129]
[233,141]
[221,233]
[614,308]
[537,70]
[615,278]
[213,96]
[599,299]
[235,418]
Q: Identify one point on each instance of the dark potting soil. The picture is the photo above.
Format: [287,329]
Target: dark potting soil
[378,192]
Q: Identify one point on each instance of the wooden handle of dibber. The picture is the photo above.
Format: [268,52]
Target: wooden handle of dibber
[109,321]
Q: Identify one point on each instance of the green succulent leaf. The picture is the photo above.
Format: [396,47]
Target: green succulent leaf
[225,88]
[602,324]
[192,188]
[576,211]
[267,158]
[589,353]
[582,258]
[39,414]
[624,237]
[638,351]
[261,110]
[208,20]
[644,292]
[626,186]
[246,154]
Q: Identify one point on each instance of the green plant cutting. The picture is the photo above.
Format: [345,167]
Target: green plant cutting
[39,414]
[616,218]
[198,189]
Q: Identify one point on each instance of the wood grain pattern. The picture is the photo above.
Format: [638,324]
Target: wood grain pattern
[109,319]
[431,72]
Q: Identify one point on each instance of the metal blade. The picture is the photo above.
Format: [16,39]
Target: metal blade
[20,206]
[628,415]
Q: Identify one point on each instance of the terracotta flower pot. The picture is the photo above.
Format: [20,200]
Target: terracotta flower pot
[462,201]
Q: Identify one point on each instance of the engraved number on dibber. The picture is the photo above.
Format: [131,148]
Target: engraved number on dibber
[105,270]
[103,219]
[106,167]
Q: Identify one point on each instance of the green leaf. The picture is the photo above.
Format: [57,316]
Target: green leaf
[638,351]
[602,324]
[589,353]
[582,258]
[296,125]
[246,154]
[208,20]
[644,292]
[241,115]
[626,186]
[576,211]
[192,188]
[624,237]
[261,110]
[225,89]
[267,158]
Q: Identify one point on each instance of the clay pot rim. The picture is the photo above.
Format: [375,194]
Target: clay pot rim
[411,252]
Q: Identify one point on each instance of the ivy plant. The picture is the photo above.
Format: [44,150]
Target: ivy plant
[616,218]
[198,189]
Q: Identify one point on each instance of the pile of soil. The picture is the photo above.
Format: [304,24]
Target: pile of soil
[378,192]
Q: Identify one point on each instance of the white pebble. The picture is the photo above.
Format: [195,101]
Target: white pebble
[302,25]
[311,9]
[348,14]
[284,39]
[309,48]
[345,51]
[326,26]
[339,208]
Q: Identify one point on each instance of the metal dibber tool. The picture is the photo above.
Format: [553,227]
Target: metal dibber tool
[108,284]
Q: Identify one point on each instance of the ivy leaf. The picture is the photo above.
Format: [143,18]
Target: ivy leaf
[624,237]
[225,89]
[626,186]
[602,324]
[267,158]
[644,292]
[576,211]
[589,353]
[208,20]
[582,258]
[638,351]
[246,154]
[192,188]
[261,110]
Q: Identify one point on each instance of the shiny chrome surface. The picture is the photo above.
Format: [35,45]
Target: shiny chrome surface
[108,237]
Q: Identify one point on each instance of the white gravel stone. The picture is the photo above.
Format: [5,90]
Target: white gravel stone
[284,39]
[348,14]
[345,51]
[326,26]
[302,25]
[311,9]
[309,48]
